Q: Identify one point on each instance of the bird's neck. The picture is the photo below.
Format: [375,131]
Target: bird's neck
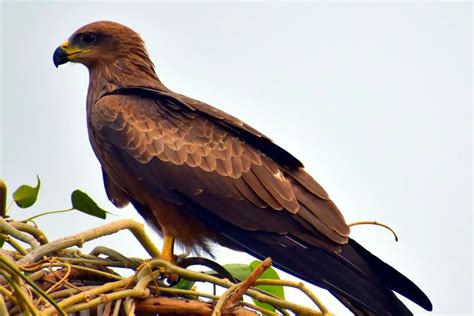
[105,78]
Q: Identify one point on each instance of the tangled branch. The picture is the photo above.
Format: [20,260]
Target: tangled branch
[49,278]
[41,277]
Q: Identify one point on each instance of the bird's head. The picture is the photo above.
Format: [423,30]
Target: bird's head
[98,43]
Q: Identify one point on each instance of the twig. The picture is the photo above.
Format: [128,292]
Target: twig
[47,213]
[7,293]
[298,285]
[24,302]
[90,270]
[107,308]
[96,262]
[5,261]
[116,311]
[57,284]
[192,293]
[128,306]
[3,307]
[37,275]
[32,230]
[80,238]
[85,296]
[106,298]
[375,223]
[113,255]
[70,291]
[6,228]
[236,296]
[177,306]
[224,297]
[225,283]
[13,243]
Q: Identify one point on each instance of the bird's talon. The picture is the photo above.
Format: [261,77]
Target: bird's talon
[173,279]
[170,278]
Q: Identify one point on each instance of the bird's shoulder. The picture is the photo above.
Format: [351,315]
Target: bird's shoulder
[149,102]
[220,155]
[162,128]
[168,117]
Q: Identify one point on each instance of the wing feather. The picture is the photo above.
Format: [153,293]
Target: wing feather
[325,210]
[300,175]
[114,193]
[280,189]
[249,194]
[252,180]
[185,151]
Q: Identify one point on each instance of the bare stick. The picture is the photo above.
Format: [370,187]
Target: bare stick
[298,285]
[101,231]
[3,307]
[224,297]
[236,296]
[6,228]
[377,224]
[5,262]
[30,229]
[13,243]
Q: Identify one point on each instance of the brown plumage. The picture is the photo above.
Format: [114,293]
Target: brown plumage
[204,176]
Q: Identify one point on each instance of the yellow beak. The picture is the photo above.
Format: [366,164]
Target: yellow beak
[65,53]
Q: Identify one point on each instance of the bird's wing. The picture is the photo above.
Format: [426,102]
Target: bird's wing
[247,189]
[178,145]
[114,193]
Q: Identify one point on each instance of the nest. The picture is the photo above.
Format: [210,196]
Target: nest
[50,278]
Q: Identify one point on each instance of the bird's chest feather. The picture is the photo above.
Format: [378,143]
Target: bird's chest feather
[157,203]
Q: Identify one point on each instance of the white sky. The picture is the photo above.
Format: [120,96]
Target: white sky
[375,99]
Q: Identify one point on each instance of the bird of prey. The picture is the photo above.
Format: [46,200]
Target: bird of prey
[200,176]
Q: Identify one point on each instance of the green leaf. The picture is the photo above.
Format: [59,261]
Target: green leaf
[25,196]
[187,285]
[82,202]
[2,241]
[238,270]
[184,284]
[276,290]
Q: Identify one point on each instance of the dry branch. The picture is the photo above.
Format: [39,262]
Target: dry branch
[51,278]
[180,306]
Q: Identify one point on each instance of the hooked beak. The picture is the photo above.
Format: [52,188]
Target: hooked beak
[66,53]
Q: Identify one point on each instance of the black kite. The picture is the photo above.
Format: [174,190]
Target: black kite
[199,175]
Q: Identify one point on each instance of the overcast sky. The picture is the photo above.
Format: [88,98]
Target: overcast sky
[375,99]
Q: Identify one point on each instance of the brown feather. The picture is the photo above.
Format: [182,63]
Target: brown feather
[320,226]
[253,182]
[249,194]
[308,182]
[201,174]
[114,193]
[280,189]
[237,167]
[326,211]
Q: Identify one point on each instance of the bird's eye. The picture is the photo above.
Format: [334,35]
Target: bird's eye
[88,38]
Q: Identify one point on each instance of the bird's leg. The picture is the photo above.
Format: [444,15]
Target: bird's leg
[167,254]
[168,248]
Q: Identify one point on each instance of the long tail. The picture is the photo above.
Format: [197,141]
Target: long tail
[361,281]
